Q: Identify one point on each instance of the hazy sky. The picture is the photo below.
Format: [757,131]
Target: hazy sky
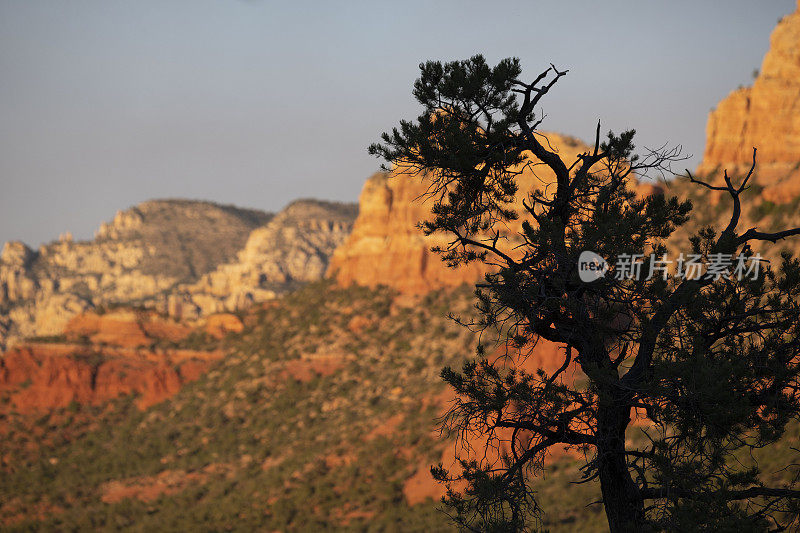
[106,103]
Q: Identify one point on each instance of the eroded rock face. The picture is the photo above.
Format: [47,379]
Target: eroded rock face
[143,252]
[186,258]
[15,282]
[126,328]
[765,116]
[39,378]
[386,247]
[219,325]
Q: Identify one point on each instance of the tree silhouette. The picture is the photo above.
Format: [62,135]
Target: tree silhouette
[707,364]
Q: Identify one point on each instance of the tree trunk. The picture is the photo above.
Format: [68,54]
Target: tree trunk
[621,497]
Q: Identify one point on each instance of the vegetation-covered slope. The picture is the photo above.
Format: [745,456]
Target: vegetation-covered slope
[323,410]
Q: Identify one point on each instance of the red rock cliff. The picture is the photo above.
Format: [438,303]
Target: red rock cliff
[387,248]
[765,116]
[100,358]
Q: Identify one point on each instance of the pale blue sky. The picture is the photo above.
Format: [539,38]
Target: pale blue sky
[107,103]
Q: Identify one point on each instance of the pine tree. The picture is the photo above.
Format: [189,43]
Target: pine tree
[709,364]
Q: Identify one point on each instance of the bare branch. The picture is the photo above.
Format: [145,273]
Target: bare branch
[753,234]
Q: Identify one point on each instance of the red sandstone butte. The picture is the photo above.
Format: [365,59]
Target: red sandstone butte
[765,116]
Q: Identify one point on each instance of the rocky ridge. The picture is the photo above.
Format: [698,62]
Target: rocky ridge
[177,256]
[294,247]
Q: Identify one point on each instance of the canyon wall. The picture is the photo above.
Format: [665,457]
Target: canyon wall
[765,116]
[142,252]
